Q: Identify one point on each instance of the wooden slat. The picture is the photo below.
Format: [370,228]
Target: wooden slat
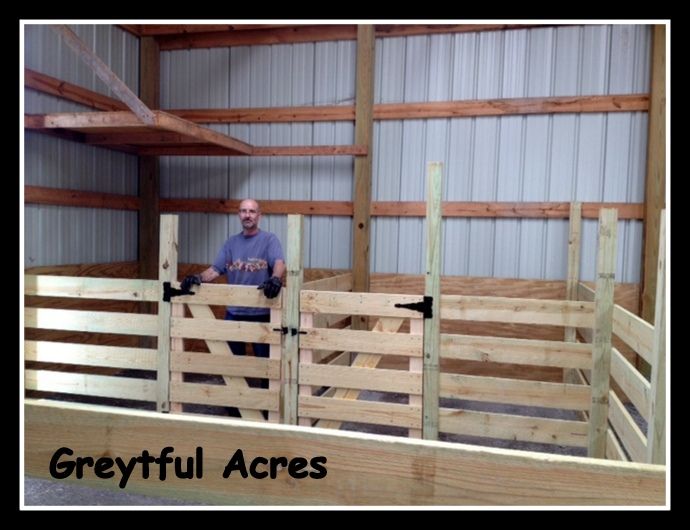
[632,383]
[515,392]
[601,334]
[614,450]
[91,321]
[90,385]
[509,427]
[228,330]
[360,378]
[74,93]
[378,413]
[627,430]
[634,331]
[341,303]
[223,396]
[518,351]
[362,341]
[415,366]
[306,356]
[219,294]
[105,74]
[517,310]
[341,282]
[363,469]
[79,199]
[96,288]
[221,359]
[90,355]
[275,384]
[226,365]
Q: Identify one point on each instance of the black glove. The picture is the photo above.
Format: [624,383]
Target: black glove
[188,281]
[271,287]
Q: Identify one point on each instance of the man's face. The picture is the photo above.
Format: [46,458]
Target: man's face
[249,215]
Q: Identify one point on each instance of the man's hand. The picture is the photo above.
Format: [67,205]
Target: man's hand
[271,287]
[188,281]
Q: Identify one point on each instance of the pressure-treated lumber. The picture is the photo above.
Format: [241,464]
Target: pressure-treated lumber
[291,319]
[574,231]
[96,288]
[167,272]
[632,438]
[363,469]
[90,355]
[90,385]
[364,127]
[602,328]
[656,435]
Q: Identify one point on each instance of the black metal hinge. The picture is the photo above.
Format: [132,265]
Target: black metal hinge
[169,292]
[423,306]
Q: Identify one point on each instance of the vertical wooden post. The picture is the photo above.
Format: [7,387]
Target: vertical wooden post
[575,229]
[656,430]
[291,320]
[432,288]
[275,352]
[149,212]
[603,324]
[655,181]
[364,126]
[306,321]
[167,272]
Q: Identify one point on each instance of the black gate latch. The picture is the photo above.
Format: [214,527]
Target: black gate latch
[423,307]
[169,292]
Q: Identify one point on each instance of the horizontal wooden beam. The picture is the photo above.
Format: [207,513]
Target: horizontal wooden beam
[424,110]
[362,469]
[310,33]
[311,150]
[64,90]
[508,210]
[81,199]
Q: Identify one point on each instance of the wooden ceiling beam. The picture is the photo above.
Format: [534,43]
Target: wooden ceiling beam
[176,39]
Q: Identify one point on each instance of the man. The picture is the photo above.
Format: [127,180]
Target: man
[252,257]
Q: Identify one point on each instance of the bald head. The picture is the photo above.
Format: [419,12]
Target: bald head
[249,213]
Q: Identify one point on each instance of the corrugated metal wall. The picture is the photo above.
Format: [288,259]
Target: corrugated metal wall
[56,235]
[592,157]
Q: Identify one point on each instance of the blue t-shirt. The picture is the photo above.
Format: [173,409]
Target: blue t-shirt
[248,260]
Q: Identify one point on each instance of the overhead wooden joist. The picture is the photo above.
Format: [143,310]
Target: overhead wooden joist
[167,135]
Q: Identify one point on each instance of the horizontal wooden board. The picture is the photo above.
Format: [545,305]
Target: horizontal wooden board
[360,378]
[631,382]
[372,304]
[361,341]
[223,396]
[515,392]
[518,310]
[98,288]
[375,412]
[626,429]
[91,321]
[519,351]
[90,385]
[510,427]
[90,355]
[214,329]
[363,469]
[237,365]
[225,295]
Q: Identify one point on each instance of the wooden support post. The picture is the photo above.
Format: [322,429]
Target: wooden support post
[291,320]
[275,352]
[416,365]
[364,126]
[432,288]
[167,272]
[603,324]
[106,75]
[305,357]
[575,229]
[656,430]
[655,179]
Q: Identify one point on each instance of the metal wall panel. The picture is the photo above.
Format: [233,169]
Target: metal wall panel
[56,235]
[592,157]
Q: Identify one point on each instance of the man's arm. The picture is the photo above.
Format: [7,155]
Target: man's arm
[211,274]
[208,275]
[278,268]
